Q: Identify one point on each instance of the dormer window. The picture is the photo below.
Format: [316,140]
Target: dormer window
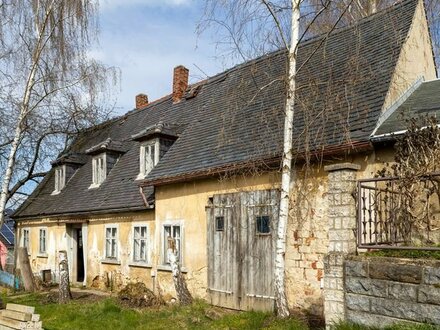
[155,141]
[149,156]
[104,156]
[99,170]
[65,167]
[60,179]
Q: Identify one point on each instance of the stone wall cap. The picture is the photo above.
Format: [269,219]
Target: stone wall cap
[342,166]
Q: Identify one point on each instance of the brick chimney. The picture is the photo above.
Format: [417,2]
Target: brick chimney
[180,82]
[141,101]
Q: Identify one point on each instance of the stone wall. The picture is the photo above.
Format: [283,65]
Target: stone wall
[383,291]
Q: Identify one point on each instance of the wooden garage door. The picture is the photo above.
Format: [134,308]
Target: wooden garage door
[241,249]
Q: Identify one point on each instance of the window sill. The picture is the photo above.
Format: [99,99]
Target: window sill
[167,268]
[140,265]
[55,192]
[140,177]
[42,255]
[110,261]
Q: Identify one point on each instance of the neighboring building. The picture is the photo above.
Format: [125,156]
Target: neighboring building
[202,165]
[7,241]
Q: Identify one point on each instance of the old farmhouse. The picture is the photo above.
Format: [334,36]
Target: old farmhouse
[203,165]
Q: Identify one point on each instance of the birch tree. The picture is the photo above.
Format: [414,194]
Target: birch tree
[49,86]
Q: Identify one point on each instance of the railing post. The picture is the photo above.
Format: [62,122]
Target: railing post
[342,240]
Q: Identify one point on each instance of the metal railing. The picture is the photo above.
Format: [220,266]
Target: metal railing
[396,214]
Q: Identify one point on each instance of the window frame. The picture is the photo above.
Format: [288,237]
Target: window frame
[23,236]
[219,229]
[155,145]
[60,179]
[262,215]
[147,244]
[98,176]
[164,257]
[42,230]
[114,258]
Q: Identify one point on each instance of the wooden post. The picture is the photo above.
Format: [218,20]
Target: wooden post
[25,270]
[182,291]
[64,287]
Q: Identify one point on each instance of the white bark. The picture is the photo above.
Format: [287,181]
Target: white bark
[280,291]
[65,294]
[183,294]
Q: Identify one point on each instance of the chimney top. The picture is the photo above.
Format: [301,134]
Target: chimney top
[180,82]
[141,101]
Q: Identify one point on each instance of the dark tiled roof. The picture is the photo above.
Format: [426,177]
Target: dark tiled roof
[236,117]
[421,100]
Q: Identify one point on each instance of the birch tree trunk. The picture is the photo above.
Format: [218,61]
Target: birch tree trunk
[64,289]
[183,294]
[282,306]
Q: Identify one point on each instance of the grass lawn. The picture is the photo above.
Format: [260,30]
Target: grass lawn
[91,312]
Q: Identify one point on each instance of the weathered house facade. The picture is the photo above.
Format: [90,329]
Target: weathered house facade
[202,165]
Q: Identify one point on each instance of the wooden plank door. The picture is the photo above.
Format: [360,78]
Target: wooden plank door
[241,249]
[223,266]
[258,231]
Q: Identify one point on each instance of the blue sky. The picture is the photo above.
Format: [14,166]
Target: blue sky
[146,39]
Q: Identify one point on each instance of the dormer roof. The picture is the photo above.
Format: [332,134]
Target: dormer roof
[162,129]
[108,145]
[70,158]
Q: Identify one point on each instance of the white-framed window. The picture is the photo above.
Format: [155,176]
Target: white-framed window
[43,241]
[25,233]
[174,231]
[148,156]
[140,243]
[99,170]
[60,178]
[111,242]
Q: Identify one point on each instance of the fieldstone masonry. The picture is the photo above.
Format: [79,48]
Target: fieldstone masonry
[342,240]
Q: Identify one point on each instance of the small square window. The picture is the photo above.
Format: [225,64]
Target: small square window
[263,224]
[219,223]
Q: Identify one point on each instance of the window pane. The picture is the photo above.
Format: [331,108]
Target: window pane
[113,254]
[219,223]
[263,224]
[107,248]
[136,250]
[107,232]
[143,251]
[144,232]
[176,231]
